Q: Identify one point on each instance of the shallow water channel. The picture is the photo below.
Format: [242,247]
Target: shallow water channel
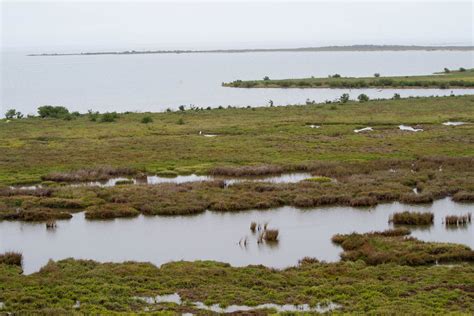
[153,179]
[216,236]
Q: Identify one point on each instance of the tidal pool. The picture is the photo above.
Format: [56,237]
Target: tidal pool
[216,235]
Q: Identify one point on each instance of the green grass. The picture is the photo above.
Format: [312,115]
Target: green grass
[359,288]
[34,147]
[453,79]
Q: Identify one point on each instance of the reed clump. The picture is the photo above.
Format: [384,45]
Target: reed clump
[270,235]
[253,226]
[412,218]
[457,220]
[11,258]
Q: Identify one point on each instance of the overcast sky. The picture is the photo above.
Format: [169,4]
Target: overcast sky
[86,26]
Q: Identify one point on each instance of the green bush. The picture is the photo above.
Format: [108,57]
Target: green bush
[52,111]
[344,98]
[363,97]
[147,119]
[109,117]
[93,116]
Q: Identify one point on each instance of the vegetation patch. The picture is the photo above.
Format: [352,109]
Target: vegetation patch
[11,258]
[107,211]
[446,80]
[393,246]
[457,220]
[412,218]
[359,288]
[92,174]
[318,179]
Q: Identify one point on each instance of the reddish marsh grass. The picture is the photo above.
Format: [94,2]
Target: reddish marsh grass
[457,220]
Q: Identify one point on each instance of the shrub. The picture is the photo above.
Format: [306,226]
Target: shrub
[11,258]
[180,121]
[52,111]
[336,76]
[147,119]
[376,75]
[462,69]
[266,78]
[446,70]
[93,116]
[412,218]
[396,96]
[344,98]
[182,108]
[108,117]
[363,98]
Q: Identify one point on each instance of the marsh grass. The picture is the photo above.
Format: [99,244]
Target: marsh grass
[11,258]
[412,218]
[108,211]
[274,136]
[37,214]
[318,179]
[91,174]
[124,182]
[109,288]
[271,235]
[358,185]
[253,227]
[457,220]
[393,246]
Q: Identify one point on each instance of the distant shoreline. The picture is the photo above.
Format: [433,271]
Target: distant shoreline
[351,48]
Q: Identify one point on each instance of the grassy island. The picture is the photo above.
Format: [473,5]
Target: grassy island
[463,78]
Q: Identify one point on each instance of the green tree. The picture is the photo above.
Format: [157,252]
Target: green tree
[266,78]
[376,75]
[10,114]
[52,111]
[396,96]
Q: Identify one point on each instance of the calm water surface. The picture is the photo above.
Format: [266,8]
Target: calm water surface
[157,81]
[216,236]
